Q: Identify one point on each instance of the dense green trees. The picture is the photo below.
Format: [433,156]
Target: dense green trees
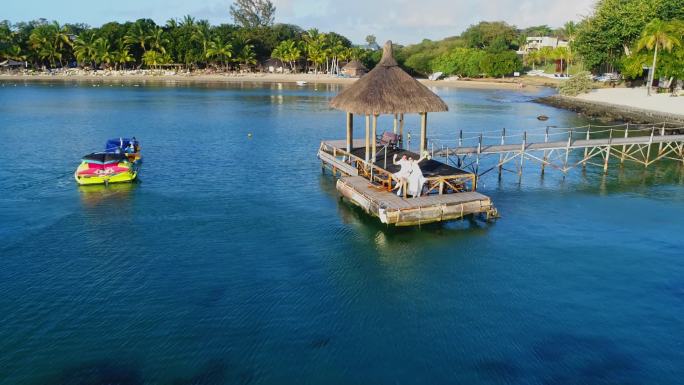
[614,36]
[662,35]
[485,49]
[607,36]
[186,42]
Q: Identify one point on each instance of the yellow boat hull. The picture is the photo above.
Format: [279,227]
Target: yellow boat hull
[121,177]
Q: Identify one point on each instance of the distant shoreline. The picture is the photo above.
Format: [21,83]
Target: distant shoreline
[623,104]
[529,84]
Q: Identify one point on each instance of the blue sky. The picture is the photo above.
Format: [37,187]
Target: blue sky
[404,21]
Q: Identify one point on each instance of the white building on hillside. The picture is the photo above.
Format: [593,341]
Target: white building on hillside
[535,43]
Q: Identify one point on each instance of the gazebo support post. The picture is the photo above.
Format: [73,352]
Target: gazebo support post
[401,128]
[423,133]
[395,124]
[375,135]
[367,157]
[350,131]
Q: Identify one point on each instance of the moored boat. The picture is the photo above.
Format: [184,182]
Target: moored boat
[105,168]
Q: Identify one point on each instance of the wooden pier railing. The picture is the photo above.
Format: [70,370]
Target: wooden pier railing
[552,146]
[335,156]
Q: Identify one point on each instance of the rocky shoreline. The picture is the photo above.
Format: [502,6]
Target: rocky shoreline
[610,111]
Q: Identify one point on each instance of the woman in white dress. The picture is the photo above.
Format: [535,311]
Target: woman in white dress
[416,180]
[404,172]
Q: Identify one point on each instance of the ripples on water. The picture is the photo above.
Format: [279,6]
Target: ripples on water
[233,260]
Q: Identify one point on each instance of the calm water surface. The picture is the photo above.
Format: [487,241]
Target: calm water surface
[233,261]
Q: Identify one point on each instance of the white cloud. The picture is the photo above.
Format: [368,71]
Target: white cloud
[404,21]
[410,21]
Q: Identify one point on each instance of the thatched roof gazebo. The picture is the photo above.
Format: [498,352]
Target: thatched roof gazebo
[354,68]
[387,89]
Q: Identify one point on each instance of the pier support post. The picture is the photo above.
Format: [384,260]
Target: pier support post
[586,151]
[503,141]
[546,154]
[522,153]
[660,145]
[567,152]
[477,159]
[350,131]
[624,148]
[423,133]
[605,161]
[650,144]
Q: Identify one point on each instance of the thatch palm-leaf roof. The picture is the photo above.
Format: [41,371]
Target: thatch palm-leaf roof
[387,89]
[355,65]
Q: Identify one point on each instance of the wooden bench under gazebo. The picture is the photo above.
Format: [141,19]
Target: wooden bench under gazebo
[365,166]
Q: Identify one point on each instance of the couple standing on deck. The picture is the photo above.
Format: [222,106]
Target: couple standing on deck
[410,176]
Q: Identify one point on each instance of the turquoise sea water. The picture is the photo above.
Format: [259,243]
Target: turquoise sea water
[233,261]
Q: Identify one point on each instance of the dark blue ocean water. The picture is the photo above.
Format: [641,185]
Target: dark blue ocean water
[233,261]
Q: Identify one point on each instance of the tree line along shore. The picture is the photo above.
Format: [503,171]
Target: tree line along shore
[607,40]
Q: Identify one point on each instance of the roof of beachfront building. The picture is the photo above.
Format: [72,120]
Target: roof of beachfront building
[354,65]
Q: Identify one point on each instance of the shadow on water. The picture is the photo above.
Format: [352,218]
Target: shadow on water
[100,373]
[213,373]
[576,359]
[498,370]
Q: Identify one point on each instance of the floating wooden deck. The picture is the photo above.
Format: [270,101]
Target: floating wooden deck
[449,194]
[399,211]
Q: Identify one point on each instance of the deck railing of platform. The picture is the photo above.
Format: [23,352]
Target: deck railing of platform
[551,146]
[436,184]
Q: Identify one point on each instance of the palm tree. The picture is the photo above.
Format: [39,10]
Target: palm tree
[334,50]
[220,50]
[202,35]
[533,57]
[314,43]
[280,52]
[103,52]
[158,40]
[545,53]
[294,53]
[570,31]
[659,34]
[138,35]
[121,56]
[560,53]
[48,42]
[154,58]
[188,21]
[84,47]
[14,53]
[246,55]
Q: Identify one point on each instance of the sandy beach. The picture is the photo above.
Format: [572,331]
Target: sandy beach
[528,84]
[637,98]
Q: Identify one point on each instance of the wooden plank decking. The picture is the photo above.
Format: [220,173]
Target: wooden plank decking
[393,209]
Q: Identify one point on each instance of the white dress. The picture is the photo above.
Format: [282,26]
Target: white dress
[403,173]
[416,180]
[405,169]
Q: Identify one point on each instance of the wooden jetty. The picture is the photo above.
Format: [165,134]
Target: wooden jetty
[642,144]
[365,167]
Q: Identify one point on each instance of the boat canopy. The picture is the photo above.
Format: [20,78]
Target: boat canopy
[119,143]
[105,158]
